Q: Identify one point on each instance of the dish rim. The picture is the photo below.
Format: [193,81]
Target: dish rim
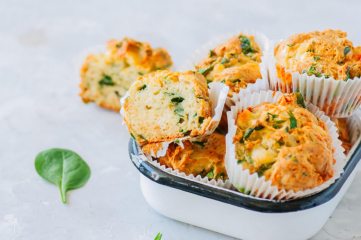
[161,177]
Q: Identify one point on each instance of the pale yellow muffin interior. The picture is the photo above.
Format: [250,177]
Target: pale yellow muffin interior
[167,105]
[107,76]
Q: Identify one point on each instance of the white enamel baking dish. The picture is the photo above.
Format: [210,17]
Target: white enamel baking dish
[238,215]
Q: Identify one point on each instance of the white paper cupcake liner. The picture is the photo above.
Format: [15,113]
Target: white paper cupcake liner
[217,93]
[353,124]
[221,184]
[259,187]
[336,98]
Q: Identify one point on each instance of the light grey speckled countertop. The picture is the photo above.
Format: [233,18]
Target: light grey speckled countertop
[40,108]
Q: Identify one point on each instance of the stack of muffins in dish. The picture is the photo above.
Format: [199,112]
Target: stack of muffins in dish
[264,118]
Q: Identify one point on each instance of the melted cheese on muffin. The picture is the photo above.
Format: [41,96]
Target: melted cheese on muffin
[167,105]
[286,143]
[342,131]
[327,53]
[204,156]
[107,76]
[235,63]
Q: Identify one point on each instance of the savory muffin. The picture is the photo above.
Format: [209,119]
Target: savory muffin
[203,156]
[342,131]
[323,54]
[106,77]
[235,63]
[167,105]
[284,142]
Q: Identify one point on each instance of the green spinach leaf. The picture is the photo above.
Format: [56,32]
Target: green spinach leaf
[210,174]
[62,167]
[346,50]
[177,100]
[246,45]
[293,121]
[159,236]
[106,80]
[300,100]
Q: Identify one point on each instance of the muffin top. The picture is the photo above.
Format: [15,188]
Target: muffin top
[166,105]
[284,142]
[139,54]
[235,63]
[327,53]
[203,156]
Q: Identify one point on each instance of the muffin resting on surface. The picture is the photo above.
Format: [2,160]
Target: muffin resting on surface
[107,76]
[327,53]
[235,63]
[203,156]
[342,131]
[167,105]
[286,143]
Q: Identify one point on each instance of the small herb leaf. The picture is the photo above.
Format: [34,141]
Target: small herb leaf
[246,45]
[210,174]
[177,100]
[106,80]
[159,236]
[202,143]
[300,100]
[224,60]
[346,50]
[293,121]
[200,119]
[247,133]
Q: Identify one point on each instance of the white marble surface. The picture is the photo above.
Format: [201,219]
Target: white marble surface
[40,108]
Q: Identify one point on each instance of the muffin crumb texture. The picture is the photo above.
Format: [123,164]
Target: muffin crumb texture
[167,105]
[106,77]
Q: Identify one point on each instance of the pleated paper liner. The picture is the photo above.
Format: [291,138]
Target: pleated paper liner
[336,98]
[223,184]
[258,186]
[217,93]
[354,129]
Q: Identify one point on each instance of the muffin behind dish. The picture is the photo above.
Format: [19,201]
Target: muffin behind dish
[107,76]
[235,63]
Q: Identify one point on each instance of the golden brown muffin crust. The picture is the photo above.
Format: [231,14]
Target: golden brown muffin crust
[235,63]
[285,143]
[107,76]
[327,53]
[204,156]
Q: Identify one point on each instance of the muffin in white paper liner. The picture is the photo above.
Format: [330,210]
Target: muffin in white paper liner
[260,84]
[222,184]
[336,98]
[217,93]
[259,187]
[203,51]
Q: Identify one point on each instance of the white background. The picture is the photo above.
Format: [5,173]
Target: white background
[40,108]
